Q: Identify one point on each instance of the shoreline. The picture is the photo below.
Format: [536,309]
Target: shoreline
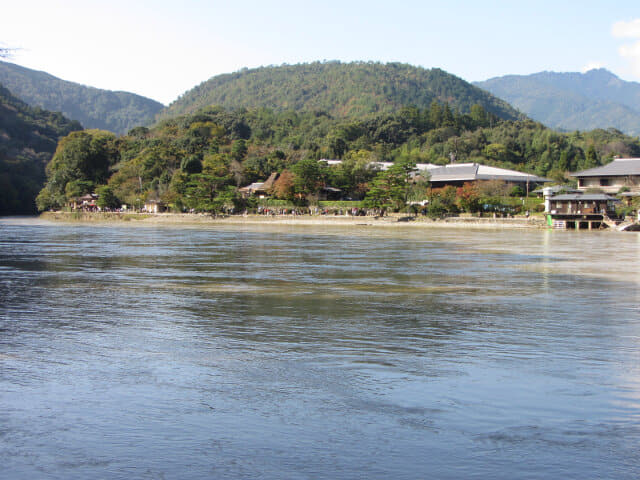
[390,221]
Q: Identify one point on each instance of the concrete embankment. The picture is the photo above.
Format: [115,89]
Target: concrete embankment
[392,220]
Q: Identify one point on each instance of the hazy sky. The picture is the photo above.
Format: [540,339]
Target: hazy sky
[162,48]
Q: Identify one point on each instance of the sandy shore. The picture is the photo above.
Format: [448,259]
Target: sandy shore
[393,220]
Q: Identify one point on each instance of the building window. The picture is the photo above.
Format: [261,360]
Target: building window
[604,182]
[580,182]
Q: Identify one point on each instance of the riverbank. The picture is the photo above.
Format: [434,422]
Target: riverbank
[390,221]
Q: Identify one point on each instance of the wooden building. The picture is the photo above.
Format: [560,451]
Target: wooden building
[581,210]
[154,206]
[86,202]
[329,193]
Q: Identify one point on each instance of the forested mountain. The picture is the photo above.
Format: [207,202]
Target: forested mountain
[116,112]
[573,101]
[197,161]
[353,90]
[28,139]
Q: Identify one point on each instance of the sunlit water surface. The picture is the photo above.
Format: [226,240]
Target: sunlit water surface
[317,353]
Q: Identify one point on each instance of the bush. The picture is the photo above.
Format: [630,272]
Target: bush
[437,208]
[344,204]
[274,203]
[517,191]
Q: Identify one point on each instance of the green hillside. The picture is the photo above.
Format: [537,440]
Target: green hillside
[339,89]
[198,161]
[116,112]
[28,139]
[573,101]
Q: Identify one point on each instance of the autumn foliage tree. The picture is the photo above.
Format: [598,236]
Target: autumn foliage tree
[284,187]
[468,197]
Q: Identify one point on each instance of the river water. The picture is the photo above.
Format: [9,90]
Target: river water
[317,353]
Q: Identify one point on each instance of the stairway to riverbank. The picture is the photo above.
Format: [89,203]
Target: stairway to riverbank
[629,226]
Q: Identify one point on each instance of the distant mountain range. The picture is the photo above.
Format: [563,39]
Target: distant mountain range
[116,112]
[28,139]
[572,101]
[340,89]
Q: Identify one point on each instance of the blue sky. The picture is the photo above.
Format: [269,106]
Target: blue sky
[162,48]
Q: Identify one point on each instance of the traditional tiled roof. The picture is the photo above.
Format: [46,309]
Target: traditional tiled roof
[586,197]
[556,189]
[253,187]
[463,172]
[619,167]
[467,172]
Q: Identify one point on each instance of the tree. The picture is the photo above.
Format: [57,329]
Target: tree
[378,195]
[82,159]
[78,188]
[390,189]
[435,114]
[309,176]
[447,116]
[284,187]
[478,115]
[106,198]
[201,191]
[399,175]
[517,191]
[239,149]
[563,161]
[468,198]
[138,132]
[442,202]
[206,191]
[353,174]
[493,188]
[337,146]
[496,151]
[191,165]
[591,158]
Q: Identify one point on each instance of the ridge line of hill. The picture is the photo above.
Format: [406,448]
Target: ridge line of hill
[572,100]
[342,90]
[115,111]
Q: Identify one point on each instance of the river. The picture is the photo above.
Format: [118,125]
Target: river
[317,353]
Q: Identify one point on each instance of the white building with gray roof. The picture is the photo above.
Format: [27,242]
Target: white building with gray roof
[610,178]
[458,174]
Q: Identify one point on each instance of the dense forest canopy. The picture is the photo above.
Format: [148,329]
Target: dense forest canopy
[28,138]
[116,112]
[198,161]
[353,90]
